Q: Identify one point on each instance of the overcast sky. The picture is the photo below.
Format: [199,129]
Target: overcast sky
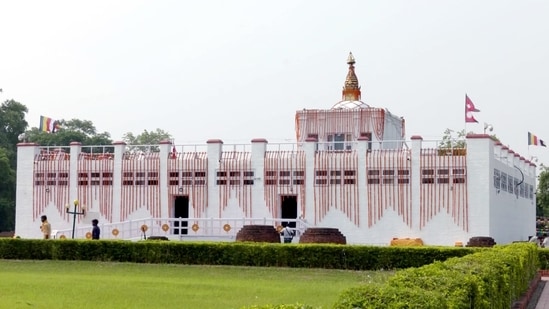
[238,70]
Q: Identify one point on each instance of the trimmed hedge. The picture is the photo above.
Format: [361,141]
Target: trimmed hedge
[230,253]
[374,296]
[430,277]
[492,278]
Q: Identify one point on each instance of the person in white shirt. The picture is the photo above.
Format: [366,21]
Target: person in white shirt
[535,240]
[287,234]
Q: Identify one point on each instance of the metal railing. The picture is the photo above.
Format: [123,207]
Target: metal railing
[180,228]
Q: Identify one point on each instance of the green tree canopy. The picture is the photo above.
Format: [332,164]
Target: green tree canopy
[542,193]
[74,130]
[12,124]
[146,138]
[456,139]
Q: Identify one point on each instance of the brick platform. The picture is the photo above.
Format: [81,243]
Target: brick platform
[258,233]
[322,235]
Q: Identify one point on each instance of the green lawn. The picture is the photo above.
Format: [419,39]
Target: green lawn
[77,284]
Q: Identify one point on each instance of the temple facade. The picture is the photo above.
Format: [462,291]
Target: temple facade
[351,168]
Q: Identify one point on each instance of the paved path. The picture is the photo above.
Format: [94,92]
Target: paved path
[543,301]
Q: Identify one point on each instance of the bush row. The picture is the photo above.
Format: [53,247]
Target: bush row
[493,278]
[231,253]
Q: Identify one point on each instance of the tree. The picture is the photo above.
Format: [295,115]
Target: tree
[74,130]
[146,139]
[12,124]
[457,141]
[449,141]
[7,193]
[12,120]
[542,193]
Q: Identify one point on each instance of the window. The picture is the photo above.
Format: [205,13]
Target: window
[497,180]
[367,135]
[503,181]
[339,141]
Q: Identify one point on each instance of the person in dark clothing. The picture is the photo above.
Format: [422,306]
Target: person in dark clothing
[95,230]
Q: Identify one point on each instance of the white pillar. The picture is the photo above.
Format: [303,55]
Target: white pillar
[24,200]
[480,154]
[259,147]
[362,152]
[309,147]
[415,180]
[165,150]
[76,148]
[215,148]
[119,150]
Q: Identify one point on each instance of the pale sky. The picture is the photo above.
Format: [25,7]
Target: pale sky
[238,70]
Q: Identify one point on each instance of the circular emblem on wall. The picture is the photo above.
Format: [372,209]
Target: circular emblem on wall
[88,235]
[144,228]
[195,227]
[279,228]
[62,237]
[115,232]
[165,227]
[227,227]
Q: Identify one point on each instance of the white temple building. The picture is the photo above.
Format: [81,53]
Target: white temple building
[351,167]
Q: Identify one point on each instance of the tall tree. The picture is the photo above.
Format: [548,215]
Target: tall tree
[7,193]
[12,124]
[542,193]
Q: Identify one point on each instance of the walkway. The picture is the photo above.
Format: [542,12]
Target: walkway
[543,300]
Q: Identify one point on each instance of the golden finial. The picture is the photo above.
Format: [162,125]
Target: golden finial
[350,59]
[351,90]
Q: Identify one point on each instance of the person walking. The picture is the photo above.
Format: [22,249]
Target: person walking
[95,230]
[287,234]
[45,227]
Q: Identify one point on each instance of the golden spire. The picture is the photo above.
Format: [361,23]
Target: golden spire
[351,90]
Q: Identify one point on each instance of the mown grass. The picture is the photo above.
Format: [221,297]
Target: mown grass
[78,284]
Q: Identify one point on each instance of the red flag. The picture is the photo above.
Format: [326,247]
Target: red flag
[469,109]
[173,154]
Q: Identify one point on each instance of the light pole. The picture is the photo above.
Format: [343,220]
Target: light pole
[74,213]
